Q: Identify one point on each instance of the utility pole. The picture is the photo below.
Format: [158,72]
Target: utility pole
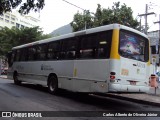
[145,16]
[159,36]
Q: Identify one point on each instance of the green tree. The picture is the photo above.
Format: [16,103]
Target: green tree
[98,18]
[25,7]
[117,14]
[13,37]
[123,15]
[6,40]
[82,21]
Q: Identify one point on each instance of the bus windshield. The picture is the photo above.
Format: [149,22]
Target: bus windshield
[133,46]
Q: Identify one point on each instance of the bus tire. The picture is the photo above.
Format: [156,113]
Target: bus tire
[16,81]
[53,85]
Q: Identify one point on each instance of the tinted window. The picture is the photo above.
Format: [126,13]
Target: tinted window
[69,48]
[41,52]
[88,46]
[95,45]
[18,53]
[104,44]
[133,46]
[31,53]
[23,54]
[53,50]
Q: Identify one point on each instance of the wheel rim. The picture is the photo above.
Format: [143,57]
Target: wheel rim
[52,86]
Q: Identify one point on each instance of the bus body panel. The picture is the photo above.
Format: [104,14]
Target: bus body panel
[86,71]
[88,74]
[129,78]
[85,80]
[133,69]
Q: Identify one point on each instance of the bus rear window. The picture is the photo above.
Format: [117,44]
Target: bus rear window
[133,46]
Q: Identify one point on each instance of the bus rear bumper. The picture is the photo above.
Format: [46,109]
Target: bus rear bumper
[127,88]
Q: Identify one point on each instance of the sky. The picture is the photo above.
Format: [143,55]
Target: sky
[57,13]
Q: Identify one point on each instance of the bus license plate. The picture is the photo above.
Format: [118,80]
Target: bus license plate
[132,82]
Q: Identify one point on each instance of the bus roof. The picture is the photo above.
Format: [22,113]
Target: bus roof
[87,31]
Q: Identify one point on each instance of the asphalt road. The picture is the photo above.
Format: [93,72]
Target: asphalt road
[28,97]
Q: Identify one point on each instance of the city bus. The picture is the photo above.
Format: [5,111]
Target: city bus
[111,58]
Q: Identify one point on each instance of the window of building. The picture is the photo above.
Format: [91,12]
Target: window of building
[1,18]
[7,21]
[6,16]
[22,26]
[17,25]
[12,22]
[13,18]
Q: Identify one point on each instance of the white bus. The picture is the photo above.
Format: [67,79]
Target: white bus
[111,58]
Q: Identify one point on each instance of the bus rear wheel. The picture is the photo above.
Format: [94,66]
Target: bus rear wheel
[53,85]
[16,81]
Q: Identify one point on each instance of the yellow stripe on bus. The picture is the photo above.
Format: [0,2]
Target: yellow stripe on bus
[114,45]
[75,72]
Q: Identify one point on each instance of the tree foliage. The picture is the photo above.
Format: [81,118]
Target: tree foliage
[82,21]
[13,37]
[117,14]
[25,7]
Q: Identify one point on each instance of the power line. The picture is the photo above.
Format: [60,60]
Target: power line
[74,5]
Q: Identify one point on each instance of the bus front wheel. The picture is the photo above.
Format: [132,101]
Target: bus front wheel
[16,81]
[53,85]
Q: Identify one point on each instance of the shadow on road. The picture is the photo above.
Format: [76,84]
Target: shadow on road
[90,99]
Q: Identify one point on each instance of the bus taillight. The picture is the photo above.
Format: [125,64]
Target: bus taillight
[112,76]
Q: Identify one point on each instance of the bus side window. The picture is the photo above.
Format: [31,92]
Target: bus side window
[53,50]
[41,52]
[17,57]
[104,44]
[23,54]
[88,47]
[31,54]
[69,48]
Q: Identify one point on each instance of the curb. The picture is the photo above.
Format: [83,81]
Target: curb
[3,77]
[132,99]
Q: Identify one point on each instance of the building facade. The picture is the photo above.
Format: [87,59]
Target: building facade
[15,19]
[155,45]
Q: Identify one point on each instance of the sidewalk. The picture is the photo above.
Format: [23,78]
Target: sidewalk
[3,76]
[149,98]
